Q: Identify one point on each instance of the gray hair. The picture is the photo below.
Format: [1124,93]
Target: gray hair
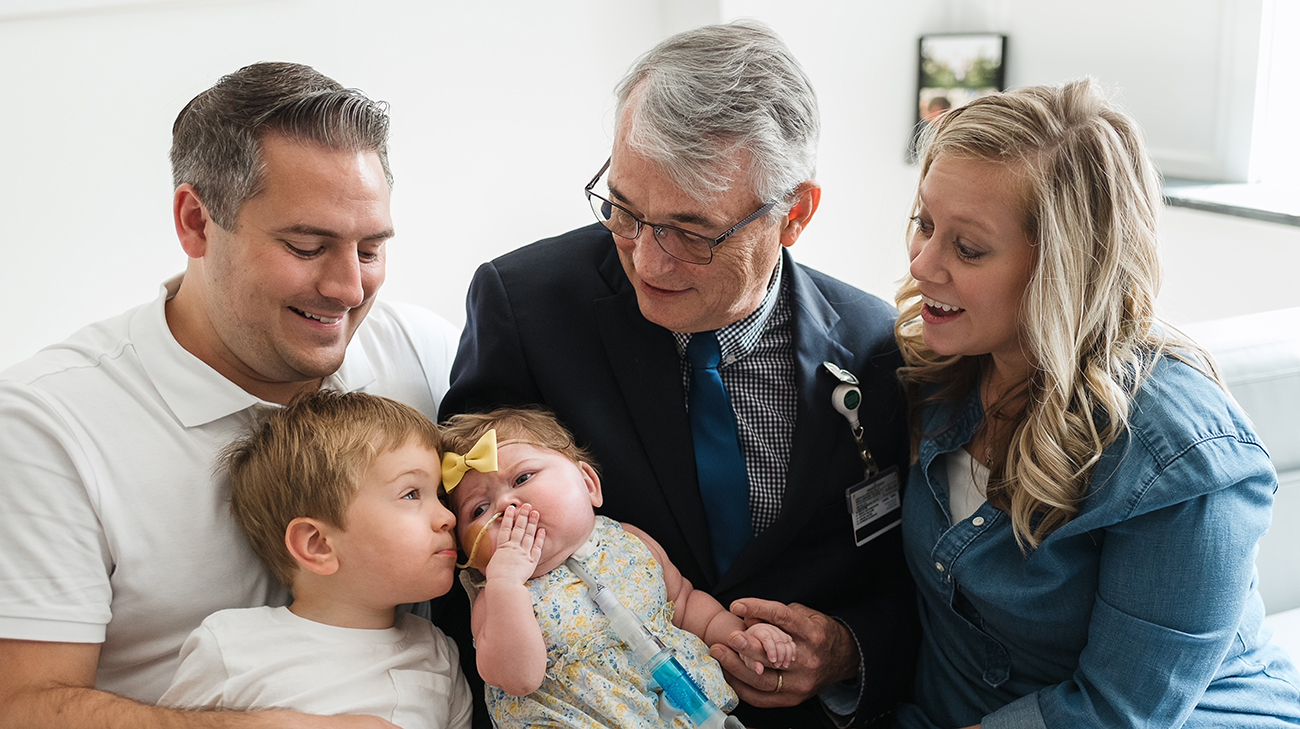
[216,140]
[701,96]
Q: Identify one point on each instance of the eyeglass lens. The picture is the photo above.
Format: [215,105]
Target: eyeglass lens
[676,243]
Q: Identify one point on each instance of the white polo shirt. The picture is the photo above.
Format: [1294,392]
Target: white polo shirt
[114,528]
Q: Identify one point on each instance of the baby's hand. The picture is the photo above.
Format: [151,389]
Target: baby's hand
[518,546]
[777,646]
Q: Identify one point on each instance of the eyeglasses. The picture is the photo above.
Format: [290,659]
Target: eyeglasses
[680,244]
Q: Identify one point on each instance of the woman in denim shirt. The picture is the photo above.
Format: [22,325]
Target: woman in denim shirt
[1082,514]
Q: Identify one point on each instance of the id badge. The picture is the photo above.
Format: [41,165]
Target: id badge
[875,505]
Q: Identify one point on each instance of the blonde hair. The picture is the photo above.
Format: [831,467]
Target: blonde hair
[1087,325]
[531,424]
[307,460]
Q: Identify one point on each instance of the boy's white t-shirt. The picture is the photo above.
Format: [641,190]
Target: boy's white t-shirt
[264,658]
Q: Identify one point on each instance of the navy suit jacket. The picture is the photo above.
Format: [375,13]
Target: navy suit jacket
[557,323]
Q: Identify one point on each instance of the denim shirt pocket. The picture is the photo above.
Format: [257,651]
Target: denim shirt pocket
[997,661]
[948,552]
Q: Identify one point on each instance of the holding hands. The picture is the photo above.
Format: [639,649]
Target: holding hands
[765,646]
[826,653]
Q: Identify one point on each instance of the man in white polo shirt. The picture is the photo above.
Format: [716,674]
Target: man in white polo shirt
[115,537]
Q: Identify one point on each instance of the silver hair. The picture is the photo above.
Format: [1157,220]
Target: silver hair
[216,140]
[699,98]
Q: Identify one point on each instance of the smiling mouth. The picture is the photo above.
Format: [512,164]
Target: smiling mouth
[938,309]
[316,317]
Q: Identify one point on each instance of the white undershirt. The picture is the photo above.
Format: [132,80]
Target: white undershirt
[968,482]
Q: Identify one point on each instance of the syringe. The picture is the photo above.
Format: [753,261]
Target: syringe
[679,687]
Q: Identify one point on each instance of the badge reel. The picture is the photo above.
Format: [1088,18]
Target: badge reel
[846,398]
[875,504]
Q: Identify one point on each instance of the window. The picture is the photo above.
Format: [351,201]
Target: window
[1272,190]
[1275,146]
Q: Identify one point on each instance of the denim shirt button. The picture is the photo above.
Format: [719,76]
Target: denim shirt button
[978,521]
[938,566]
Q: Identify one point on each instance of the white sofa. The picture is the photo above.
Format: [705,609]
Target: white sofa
[1259,356]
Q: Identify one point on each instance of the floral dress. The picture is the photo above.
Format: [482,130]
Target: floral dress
[592,679]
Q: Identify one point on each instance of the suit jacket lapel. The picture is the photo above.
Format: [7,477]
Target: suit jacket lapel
[645,363]
[814,322]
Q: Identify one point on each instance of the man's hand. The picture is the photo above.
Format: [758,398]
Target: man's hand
[825,653]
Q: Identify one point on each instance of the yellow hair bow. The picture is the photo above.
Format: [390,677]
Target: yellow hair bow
[482,458]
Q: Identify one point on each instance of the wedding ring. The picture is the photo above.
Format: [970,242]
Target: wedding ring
[779,680]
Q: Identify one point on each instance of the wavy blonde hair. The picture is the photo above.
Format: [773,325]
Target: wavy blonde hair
[1091,202]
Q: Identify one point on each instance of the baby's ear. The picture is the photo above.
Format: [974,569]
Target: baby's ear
[308,541]
[592,479]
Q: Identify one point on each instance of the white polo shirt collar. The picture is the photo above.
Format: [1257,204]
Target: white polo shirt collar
[197,394]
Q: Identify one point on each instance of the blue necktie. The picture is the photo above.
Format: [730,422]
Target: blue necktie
[724,483]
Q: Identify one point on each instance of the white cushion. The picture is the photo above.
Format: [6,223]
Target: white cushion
[1259,357]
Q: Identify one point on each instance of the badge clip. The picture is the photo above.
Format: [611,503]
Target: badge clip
[846,398]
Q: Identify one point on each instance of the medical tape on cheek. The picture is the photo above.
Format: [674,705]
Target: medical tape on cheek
[473,550]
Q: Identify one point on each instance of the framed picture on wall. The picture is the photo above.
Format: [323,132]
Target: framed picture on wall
[955,68]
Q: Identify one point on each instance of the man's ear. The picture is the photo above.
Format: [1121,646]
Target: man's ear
[191,219]
[808,196]
[592,479]
[309,544]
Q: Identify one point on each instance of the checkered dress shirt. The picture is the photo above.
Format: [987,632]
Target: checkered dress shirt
[758,371]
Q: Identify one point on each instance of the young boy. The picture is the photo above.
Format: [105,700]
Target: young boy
[338,494]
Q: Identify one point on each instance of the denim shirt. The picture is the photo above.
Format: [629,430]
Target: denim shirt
[1141,611]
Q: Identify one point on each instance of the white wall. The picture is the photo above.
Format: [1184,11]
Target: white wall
[862,59]
[500,114]
[502,110]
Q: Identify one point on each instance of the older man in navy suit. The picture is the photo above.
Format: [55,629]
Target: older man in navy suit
[683,345]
